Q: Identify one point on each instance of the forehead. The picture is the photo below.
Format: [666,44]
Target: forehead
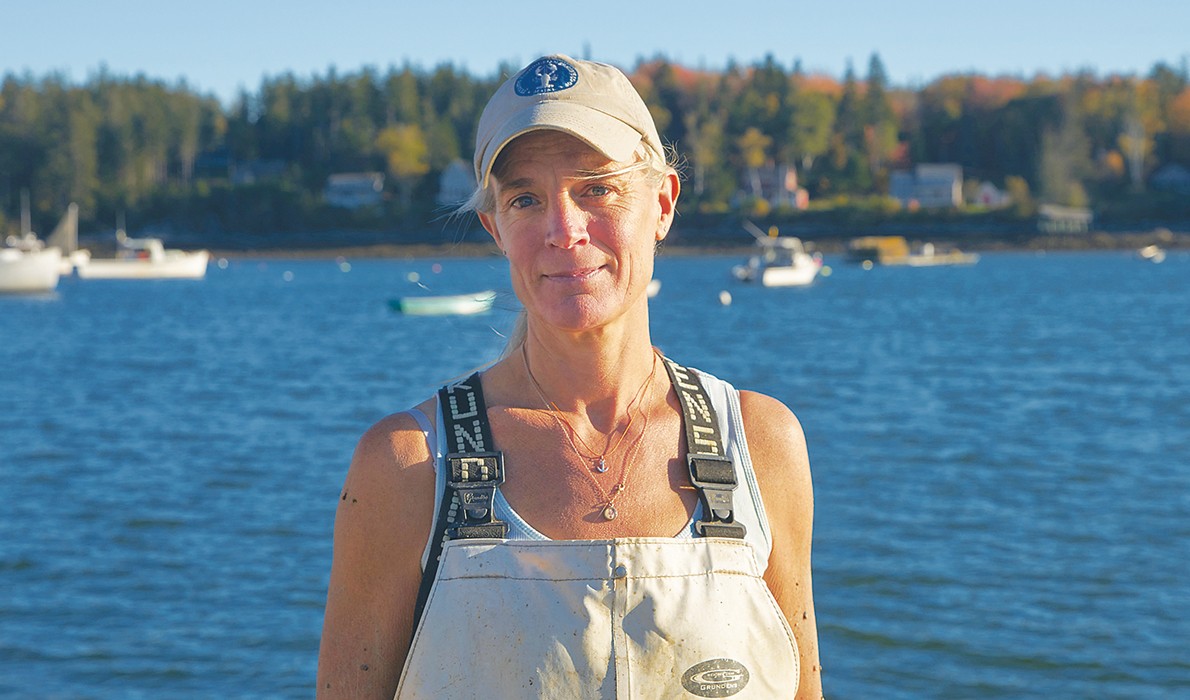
[551,149]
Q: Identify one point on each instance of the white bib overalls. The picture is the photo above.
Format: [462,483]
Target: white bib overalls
[627,618]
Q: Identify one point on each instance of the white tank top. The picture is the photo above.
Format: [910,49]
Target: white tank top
[749,508]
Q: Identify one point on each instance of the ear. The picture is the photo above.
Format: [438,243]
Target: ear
[667,201]
[489,224]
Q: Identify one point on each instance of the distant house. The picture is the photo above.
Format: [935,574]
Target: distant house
[1052,218]
[213,164]
[456,184]
[776,184]
[354,190]
[1172,178]
[253,171]
[929,185]
[990,196]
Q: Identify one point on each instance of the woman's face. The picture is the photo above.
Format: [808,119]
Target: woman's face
[579,237]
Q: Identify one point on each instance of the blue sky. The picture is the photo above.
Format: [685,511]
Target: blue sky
[222,46]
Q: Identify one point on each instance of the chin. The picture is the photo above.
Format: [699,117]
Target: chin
[577,313]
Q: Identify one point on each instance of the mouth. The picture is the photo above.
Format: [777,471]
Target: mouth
[577,274]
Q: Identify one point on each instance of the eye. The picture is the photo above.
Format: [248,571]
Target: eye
[522,201]
[599,190]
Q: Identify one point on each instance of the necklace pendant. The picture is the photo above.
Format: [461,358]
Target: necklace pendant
[609,513]
[601,467]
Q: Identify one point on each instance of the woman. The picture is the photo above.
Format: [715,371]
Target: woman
[562,575]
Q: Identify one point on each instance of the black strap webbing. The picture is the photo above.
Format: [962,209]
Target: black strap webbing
[474,470]
[711,472]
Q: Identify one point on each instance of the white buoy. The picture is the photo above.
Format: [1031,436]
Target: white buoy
[287,276]
[725,298]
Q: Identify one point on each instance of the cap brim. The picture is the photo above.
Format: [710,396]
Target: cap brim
[603,132]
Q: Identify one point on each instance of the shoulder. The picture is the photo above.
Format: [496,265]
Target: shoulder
[777,447]
[391,478]
[770,424]
[393,444]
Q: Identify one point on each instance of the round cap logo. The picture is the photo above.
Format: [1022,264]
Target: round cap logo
[717,678]
[546,75]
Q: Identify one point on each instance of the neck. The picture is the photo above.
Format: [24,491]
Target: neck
[597,379]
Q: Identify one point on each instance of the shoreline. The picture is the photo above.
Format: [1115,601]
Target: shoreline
[1057,243]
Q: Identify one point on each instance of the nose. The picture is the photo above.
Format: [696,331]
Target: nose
[567,223]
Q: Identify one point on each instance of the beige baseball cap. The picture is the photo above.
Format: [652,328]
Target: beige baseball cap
[591,101]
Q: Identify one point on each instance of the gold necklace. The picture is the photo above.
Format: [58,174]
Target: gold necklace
[609,507]
[608,499]
[598,461]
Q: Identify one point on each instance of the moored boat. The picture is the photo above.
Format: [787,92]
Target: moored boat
[782,262]
[1153,253]
[895,250]
[445,305]
[65,236]
[146,258]
[27,267]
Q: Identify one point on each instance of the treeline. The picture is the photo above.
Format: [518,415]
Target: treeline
[161,152]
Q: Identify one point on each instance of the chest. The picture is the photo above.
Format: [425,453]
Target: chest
[562,494]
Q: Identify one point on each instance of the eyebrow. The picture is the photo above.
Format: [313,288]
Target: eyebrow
[519,183]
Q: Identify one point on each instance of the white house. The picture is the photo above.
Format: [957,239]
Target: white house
[354,190]
[929,185]
[1053,218]
[456,183]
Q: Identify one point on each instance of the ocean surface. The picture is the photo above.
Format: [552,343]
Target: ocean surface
[1001,460]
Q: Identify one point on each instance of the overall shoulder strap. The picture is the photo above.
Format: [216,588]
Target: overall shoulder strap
[711,471]
[474,469]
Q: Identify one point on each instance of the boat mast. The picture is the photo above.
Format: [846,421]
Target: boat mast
[26,225]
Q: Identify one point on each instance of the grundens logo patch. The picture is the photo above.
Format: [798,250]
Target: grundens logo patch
[717,678]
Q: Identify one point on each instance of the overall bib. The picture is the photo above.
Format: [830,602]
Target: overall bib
[637,617]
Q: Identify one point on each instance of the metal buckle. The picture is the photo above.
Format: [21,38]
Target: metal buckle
[475,476]
[716,496]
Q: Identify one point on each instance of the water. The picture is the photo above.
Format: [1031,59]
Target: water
[1001,458]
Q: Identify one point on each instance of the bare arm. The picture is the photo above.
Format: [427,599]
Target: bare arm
[381,527]
[778,449]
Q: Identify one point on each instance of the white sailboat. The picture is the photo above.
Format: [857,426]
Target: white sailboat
[27,266]
[65,236]
[146,258]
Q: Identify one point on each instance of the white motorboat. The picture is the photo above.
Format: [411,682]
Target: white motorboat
[446,305]
[28,267]
[782,261]
[1153,253]
[146,258]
